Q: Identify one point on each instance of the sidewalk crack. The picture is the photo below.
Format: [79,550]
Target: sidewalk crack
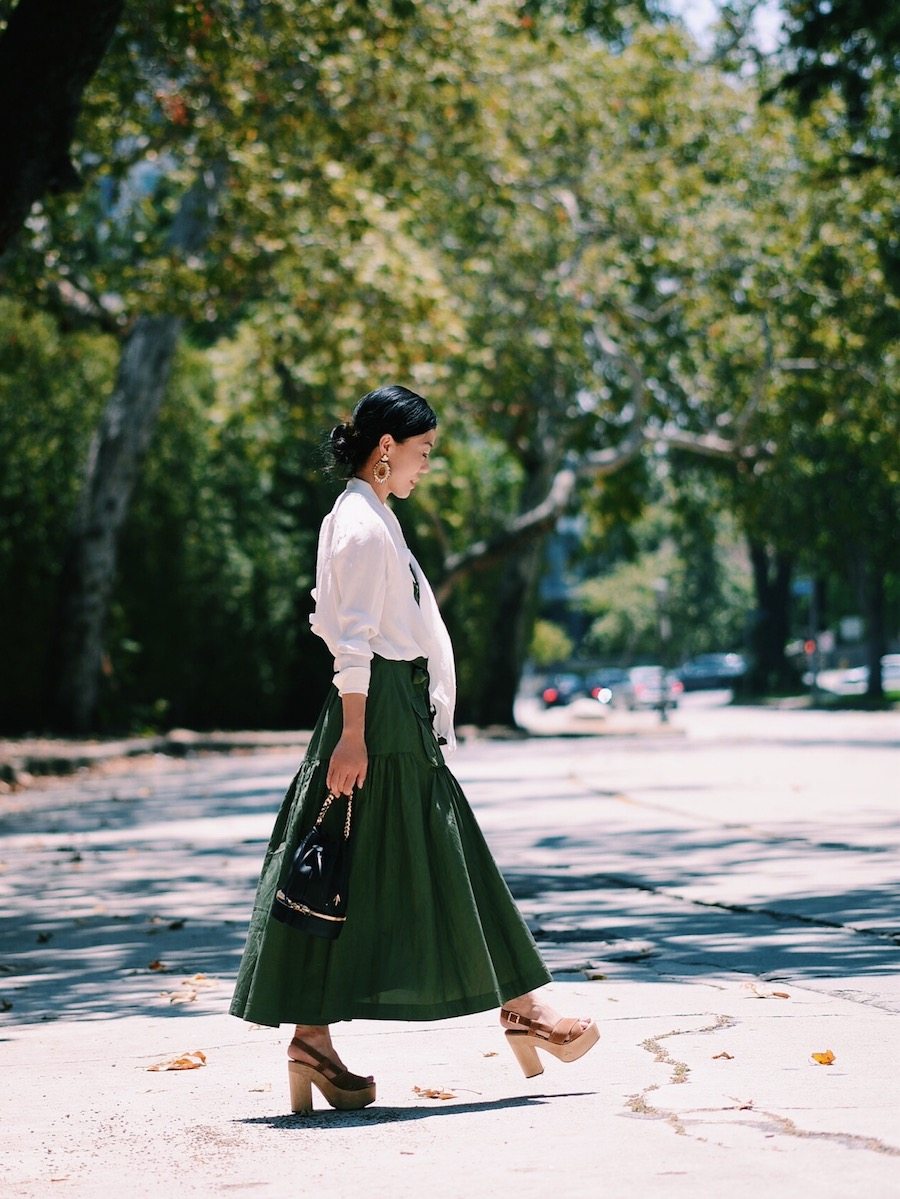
[629,883]
[764,1121]
[786,1126]
[680,1072]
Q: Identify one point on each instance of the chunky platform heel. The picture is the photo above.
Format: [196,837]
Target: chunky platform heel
[560,1040]
[344,1091]
[300,1082]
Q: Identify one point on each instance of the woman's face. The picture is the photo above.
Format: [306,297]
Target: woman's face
[409,460]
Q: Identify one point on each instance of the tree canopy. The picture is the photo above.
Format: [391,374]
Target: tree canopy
[616,273]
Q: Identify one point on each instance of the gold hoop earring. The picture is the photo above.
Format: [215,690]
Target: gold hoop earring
[381,471]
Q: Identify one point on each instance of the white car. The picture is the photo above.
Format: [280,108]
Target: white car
[856,681]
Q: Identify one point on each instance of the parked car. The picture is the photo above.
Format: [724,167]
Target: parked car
[856,681]
[609,686]
[890,672]
[708,672]
[650,686]
[561,689]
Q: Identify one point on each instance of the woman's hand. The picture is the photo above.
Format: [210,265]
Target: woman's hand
[349,764]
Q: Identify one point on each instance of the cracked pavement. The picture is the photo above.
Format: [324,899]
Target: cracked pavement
[722,895]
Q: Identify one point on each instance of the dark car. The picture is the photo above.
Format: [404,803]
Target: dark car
[561,689]
[709,672]
[608,686]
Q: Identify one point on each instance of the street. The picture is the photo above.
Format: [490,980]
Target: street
[719,892]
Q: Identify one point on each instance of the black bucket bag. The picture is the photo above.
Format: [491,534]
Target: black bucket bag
[313,897]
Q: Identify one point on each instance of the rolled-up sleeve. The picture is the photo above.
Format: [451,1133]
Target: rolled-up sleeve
[359,579]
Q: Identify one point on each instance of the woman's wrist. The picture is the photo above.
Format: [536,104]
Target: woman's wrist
[354,709]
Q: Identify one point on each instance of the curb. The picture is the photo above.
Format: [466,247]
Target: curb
[22,761]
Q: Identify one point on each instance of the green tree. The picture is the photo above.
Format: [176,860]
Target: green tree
[50,381]
[606,271]
[196,182]
[48,54]
[848,49]
[684,565]
[587,254]
[550,644]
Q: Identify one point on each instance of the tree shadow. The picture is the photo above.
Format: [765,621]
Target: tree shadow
[719,899]
[113,891]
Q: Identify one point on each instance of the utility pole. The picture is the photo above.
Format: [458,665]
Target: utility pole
[661,595]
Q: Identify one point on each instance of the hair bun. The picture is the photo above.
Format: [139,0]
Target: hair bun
[342,438]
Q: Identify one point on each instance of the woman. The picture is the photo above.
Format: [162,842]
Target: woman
[432,930]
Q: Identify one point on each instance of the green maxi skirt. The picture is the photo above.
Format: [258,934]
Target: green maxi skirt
[432,930]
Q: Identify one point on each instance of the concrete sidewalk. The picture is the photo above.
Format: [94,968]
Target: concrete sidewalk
[723,902]
[694,1089]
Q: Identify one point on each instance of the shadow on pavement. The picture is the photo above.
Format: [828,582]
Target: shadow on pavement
[326,1119]
[113,892]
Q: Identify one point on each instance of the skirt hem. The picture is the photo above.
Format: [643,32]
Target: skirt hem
[464,1006]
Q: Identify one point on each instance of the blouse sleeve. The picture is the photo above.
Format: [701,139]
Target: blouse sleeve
[359,577]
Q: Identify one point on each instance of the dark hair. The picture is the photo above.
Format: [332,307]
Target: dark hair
[393,409]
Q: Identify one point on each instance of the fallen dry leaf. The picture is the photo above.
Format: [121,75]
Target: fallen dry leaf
[157,965]
[824,1059]
[200,980]
[757,994]
[433,1093]
[187,1061]
[190,987]
[729,1057]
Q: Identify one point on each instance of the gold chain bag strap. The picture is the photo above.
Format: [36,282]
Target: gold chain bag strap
[313,897]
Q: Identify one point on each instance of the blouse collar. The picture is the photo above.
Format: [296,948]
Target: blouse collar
[367,491]
[354,483]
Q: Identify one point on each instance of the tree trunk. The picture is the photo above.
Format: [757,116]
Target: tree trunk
[772,572]
[117,449]
[48,54]
[507,647]
[876,639]
[516,590]
[114,459]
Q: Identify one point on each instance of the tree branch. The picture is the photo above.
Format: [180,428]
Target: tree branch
[519,530]
[75,307]
[596,464]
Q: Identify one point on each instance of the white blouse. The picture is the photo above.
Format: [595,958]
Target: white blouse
[366,603]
